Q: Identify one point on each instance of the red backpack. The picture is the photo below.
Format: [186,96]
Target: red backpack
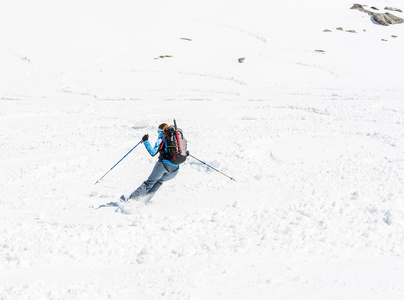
[175,145]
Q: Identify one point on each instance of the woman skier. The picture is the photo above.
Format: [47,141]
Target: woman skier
[164,170]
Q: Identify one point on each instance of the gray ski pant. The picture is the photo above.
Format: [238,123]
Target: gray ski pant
[161,172]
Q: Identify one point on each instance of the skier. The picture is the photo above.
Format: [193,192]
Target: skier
[163,170]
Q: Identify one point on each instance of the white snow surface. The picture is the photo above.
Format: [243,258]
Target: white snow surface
[314,139]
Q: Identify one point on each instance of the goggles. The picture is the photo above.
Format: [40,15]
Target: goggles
[159,130]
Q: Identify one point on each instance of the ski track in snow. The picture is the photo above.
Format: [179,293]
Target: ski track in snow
[328,195]
[315,144]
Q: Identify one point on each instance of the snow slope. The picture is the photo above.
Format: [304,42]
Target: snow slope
[314,139]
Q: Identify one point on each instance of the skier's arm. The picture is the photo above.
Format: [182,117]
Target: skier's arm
[153,150]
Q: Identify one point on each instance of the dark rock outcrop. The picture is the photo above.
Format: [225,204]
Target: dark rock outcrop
[384,19]
[163,56]
[393,9]
[387,19]
[359,7]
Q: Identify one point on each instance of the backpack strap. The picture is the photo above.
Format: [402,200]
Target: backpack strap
[178,141]
[162,143]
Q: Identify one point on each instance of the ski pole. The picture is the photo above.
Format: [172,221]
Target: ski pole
[212,167]
[118,162]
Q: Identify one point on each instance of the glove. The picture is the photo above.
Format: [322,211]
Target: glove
[145,138]
[187,153]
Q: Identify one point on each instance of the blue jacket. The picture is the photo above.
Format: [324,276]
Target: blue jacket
[154,150]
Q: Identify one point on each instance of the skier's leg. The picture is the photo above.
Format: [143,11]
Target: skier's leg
[158,171]
[170,174]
